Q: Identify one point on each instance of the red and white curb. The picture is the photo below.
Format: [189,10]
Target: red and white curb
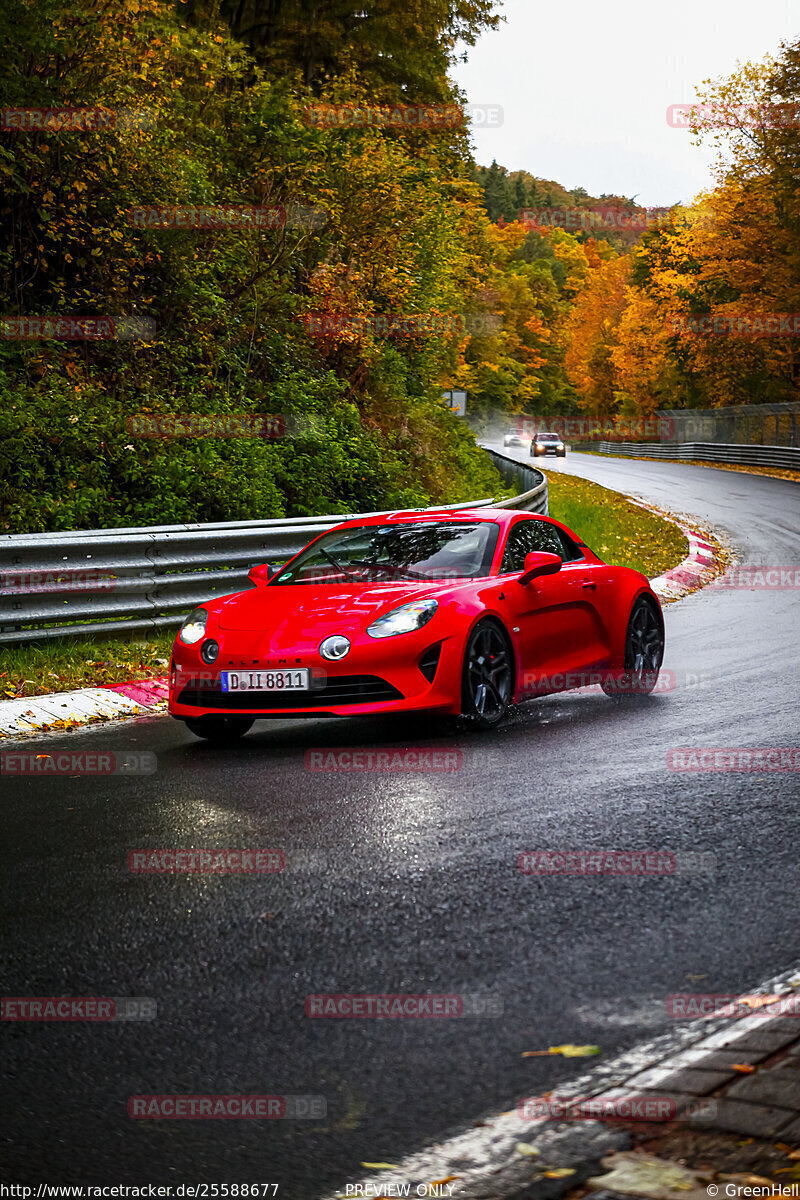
[704,562]
[66,710]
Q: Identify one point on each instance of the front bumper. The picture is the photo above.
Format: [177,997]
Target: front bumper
[382,677]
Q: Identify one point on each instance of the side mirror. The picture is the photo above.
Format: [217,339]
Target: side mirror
[537,563]
[262,573]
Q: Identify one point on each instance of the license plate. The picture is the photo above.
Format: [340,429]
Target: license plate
[265,681]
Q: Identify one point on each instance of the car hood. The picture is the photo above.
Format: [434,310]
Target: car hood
[294,612]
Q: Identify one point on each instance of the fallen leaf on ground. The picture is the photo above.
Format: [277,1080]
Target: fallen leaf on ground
[745,1068]
[381,1166]
[632,1174]
[559,1173]
[525,1148]
[569,1051]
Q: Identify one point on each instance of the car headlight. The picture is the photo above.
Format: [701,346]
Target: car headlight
[405,619]
[193,627]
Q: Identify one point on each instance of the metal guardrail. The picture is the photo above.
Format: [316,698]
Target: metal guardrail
[88,582]
[757,456]
[734,425]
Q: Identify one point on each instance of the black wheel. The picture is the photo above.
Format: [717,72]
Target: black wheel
[223,731]
[488,675]
[644,653]
[562,454]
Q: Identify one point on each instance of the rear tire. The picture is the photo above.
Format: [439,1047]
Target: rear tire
[222,731]
[487,678]
[644,653]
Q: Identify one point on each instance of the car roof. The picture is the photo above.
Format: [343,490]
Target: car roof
[499,516]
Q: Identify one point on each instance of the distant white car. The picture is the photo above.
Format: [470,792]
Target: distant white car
[515,439]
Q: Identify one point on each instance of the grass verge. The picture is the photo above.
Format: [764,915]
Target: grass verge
[618,530]
[63,664]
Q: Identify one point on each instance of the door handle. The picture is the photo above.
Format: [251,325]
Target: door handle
[589,585]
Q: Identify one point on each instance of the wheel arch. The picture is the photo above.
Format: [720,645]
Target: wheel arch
[490,616]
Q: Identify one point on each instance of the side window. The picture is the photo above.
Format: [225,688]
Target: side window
[570,551]
[527,536]
[516,548]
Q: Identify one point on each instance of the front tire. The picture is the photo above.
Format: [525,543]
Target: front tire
[644,653]
[221,731]
[487,679]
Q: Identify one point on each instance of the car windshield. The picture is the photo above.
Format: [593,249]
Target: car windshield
[547,437]
[420,550]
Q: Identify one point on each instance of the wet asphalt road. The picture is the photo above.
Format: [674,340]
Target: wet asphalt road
[401,883]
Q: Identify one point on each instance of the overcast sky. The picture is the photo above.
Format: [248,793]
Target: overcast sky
[585,85]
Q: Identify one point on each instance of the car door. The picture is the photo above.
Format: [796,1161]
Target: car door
[595,581]
[557,626]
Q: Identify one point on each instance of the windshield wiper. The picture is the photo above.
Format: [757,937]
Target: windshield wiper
[390,567]
[335,564]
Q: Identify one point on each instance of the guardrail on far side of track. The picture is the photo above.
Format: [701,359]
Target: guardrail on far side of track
[786,458]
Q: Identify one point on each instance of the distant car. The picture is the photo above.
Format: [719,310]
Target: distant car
[515,439]
[547,443]
[459,613]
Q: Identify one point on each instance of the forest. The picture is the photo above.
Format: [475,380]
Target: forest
[174,221]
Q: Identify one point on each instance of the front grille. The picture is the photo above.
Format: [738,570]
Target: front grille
[344,689]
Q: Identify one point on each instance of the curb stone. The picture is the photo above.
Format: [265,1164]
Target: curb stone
[707,558]
[484,1159]
[68,710]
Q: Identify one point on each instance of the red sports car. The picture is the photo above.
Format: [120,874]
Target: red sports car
[460,613]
